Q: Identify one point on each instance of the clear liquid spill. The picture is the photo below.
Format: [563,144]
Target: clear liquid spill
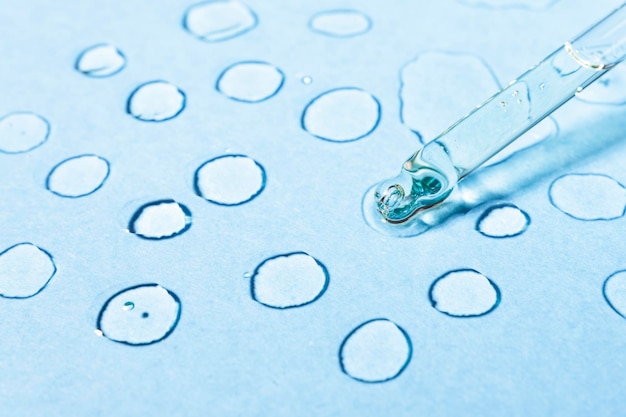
[342,115]
[229,180]
[161,219]
[340,23]
[588,196]
[289,280]
[464,293]
[219,20]
[439,87]
[610,89]
[22,132]
[78,176]
[139,315]
[250,82]
[156,101]
[25,270]
[502,221]
[614,291]
[100,61]
[510,4]
[375,351]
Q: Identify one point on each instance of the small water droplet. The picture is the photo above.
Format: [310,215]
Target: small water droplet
[128,305]
[375,351]
[229,180]
[128,326]
[503,220]
[340,23]
[342,115]
[588,196]
[219,20]
[250,82]
[542,86]
[289,280]
[464,293]
[514,93]
[100,61]
[247,275]
[22,132]
[306,80]
[156,101]
[161,219]
[519,101]
[503,104]
[25,270]
[78,176]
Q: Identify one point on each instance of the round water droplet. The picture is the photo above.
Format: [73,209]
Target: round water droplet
[289,280]
[153,317]
[340,23]
[250,82]
[219,20]
[162,219]
[588,196]
[614,290]
[229,180]
[25,270]
[100,61]
[503,220]
[156,101]
[342,115]
[78,176]
[464,293]
[376,351]
[22,132]
[306,80]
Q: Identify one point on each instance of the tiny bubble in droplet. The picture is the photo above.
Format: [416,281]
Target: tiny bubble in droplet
[542,86]
[145,315]
[515,93]
[247,275]
[306,80]
[519,101]
[128,305]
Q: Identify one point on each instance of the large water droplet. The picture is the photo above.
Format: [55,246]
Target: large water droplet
[156,101]
[340,23]
[588,196]
[503,220]
[25,270]
[229,180]
[161,219]
[376,351]
[464,293]
[219,20]
[139,315]
[342,115]
[22,132]
[289,280]
[250,82]
[78,176]
[100,61]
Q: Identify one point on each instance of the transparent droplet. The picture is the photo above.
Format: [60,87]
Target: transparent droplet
[342,115]
[25,270]
[229,180]
[446,81]
[376,351]
[340,23]
[78,176]
[588,196]
[250,82]
[219,20]
[614,290]
[464,293]
[156,101]
[289,280]
[510,4]
[609,89]
[150,317]
[542,86]
[503,220]
[100,61]
[22,132]
[306,80]
[247,275]
[161,219]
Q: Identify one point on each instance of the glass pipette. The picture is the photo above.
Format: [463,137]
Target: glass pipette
[431,174]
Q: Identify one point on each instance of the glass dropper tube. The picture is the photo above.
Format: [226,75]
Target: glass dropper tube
[431,174]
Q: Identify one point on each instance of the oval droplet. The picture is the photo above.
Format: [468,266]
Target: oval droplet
[503,220]
[156,101]
[100,61]
[153,316]
[464,293]
[22,132]
[219,20]
[25,270]
[161,219]
[342,115]
[250,82]
[78,176]
[289,280]
[376,351]
[229,180]
[340,23]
